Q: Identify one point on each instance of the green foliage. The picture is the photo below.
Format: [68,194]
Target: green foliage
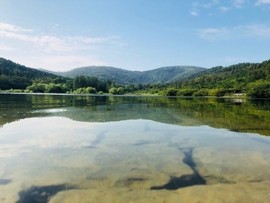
[12,91]
[201,93]
[55,88]
[230,79]
[186,92]
[259,89]
[113,90]
[13,82]
[83,82]
[47,88]
[15,76]
[120,90]
[117,90]
[218,92]
[37,88]
[171,92]
[240,78]
[218,81]
[130,88]
[85,90]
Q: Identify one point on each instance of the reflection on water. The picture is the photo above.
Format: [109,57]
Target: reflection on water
[123,149]
[4,181]
[240,115]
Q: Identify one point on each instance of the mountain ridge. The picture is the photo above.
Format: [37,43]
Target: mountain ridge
[165,74]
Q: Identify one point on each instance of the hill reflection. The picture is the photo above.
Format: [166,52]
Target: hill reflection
[234,114]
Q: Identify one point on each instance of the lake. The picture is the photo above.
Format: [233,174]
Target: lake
[66,148]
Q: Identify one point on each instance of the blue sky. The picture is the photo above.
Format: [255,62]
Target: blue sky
[134,34]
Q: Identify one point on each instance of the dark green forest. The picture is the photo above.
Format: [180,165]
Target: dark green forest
[13,75]
[241,80]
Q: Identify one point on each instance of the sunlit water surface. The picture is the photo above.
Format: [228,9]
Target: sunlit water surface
[117,149]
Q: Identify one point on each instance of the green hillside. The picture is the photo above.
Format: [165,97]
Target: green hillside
[172,73]
[16,76]
[250,78]
[118,75]
[235,76]
[123,77]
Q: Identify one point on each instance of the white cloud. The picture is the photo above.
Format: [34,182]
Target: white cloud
[224,9]
[238,3]
[50,43]
[12,28]
[213,34]
[210,4]
[261,2]
[258,30]
[226,33]
[6,48]
[51,51]
[194,13]
[60,62]
[194,10]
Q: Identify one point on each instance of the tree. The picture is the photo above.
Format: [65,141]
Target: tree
[54,88]
[37,88]
[79,81]
[201,93]
[120,90]
[186,92]
[259,89]
[171,92]
[113,90]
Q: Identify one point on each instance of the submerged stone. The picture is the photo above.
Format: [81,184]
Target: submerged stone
[184,180]
[181,182]
[41,194]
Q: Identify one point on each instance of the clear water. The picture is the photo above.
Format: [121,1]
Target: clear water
[59,148]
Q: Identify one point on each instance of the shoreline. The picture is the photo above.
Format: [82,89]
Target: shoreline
[132,95]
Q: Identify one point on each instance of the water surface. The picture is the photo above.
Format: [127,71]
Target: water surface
[59,148]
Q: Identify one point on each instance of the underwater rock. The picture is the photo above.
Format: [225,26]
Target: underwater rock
[41,194]
[186,180]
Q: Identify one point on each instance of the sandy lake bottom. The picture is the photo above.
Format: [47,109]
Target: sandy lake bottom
[55,159]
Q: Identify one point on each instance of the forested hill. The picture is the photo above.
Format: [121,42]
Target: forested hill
[16,76]
[117,75]
[252,79]
[235,76]
[244,77]
[121,76]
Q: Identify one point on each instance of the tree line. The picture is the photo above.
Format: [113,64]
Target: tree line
[248,79]
[92,85]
